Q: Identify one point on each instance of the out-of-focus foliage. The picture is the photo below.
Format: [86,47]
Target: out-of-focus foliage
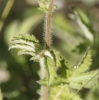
[0,95]
[69,39]
[26,25]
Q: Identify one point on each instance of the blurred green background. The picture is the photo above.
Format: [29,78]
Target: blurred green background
[18,75]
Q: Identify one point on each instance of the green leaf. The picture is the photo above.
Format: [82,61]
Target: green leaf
[80,77]
[84,23]
[51,62]
[44,6]
[62,92]
[63,71]
[26,43]
[50,67]
[84,64]
[86,80]
[43,82]
[57,58]
[21,52]
[47,62]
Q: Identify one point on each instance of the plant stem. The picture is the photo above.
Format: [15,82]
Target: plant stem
[0,95]
[5,13]
[44,90]
[48,25]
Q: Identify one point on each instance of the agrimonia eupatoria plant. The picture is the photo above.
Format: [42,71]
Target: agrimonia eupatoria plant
[57,79]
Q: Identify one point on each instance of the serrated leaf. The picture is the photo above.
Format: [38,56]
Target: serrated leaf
[43,82]
[21,52]
[86,80]
[84,64]
[44,6]
[84,23]
[35,58]
[63,71]
[50,70]
[57,58]
[50,67]
[26,43]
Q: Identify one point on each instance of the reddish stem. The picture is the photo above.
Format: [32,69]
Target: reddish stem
[48,24]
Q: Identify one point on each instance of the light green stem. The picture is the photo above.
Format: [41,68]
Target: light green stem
[5,13]
[0,95]
[44,90]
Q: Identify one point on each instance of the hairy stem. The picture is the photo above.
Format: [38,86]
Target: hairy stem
[48,25]
[44,90]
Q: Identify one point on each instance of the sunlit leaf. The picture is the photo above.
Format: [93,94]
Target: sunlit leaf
[85,80]
[62,92]
[50,67]
[26,43]
[84,64]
